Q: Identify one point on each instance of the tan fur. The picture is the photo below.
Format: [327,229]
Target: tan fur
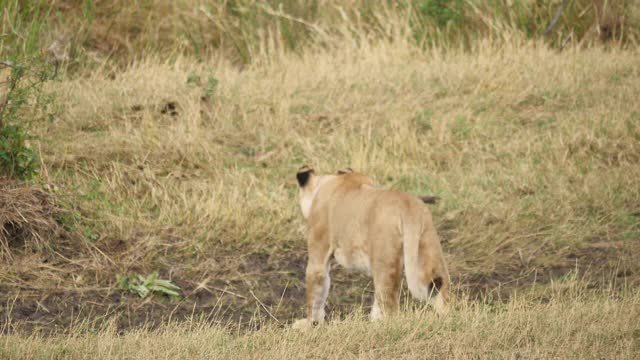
[373,230]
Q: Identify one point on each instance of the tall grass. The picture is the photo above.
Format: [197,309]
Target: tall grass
[240,30]
[22,25]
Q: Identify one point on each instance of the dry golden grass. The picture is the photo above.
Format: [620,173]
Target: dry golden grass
[26,214]
[186,167]
[572,325]
[534,153]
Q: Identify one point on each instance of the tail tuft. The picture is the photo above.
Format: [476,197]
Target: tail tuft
[436,284]
[421,270]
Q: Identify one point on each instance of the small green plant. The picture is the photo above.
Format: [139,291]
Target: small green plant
[17,158]
[210,87]
[149,285]
[21,96]
[462,127]
[193,79]
[212,84]
[423,120]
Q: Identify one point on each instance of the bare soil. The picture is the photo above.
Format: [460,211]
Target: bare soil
[271,288]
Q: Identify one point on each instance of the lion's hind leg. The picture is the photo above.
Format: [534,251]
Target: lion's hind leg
[387,280]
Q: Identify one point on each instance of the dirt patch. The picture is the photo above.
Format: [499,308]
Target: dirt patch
[261,291]
[599,263]
[270,288]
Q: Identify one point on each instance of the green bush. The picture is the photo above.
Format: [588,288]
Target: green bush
[23,71]
[21,97]
[17,158]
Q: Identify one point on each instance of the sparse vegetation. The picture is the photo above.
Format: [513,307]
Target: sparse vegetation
[178,126]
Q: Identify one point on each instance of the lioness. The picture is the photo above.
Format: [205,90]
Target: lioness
[372,230]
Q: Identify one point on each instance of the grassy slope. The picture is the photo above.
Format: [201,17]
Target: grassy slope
[187,168]
[534,153]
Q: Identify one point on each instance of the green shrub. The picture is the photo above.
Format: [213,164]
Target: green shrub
[17,158]
[21,97]
[22,74]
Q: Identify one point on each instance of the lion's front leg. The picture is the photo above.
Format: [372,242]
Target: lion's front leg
[317,281]
[317,290]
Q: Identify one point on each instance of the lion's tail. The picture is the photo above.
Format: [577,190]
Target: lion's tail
[412,234]
[424,265]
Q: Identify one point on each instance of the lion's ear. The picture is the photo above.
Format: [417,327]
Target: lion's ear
[345,171]
[303,175]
